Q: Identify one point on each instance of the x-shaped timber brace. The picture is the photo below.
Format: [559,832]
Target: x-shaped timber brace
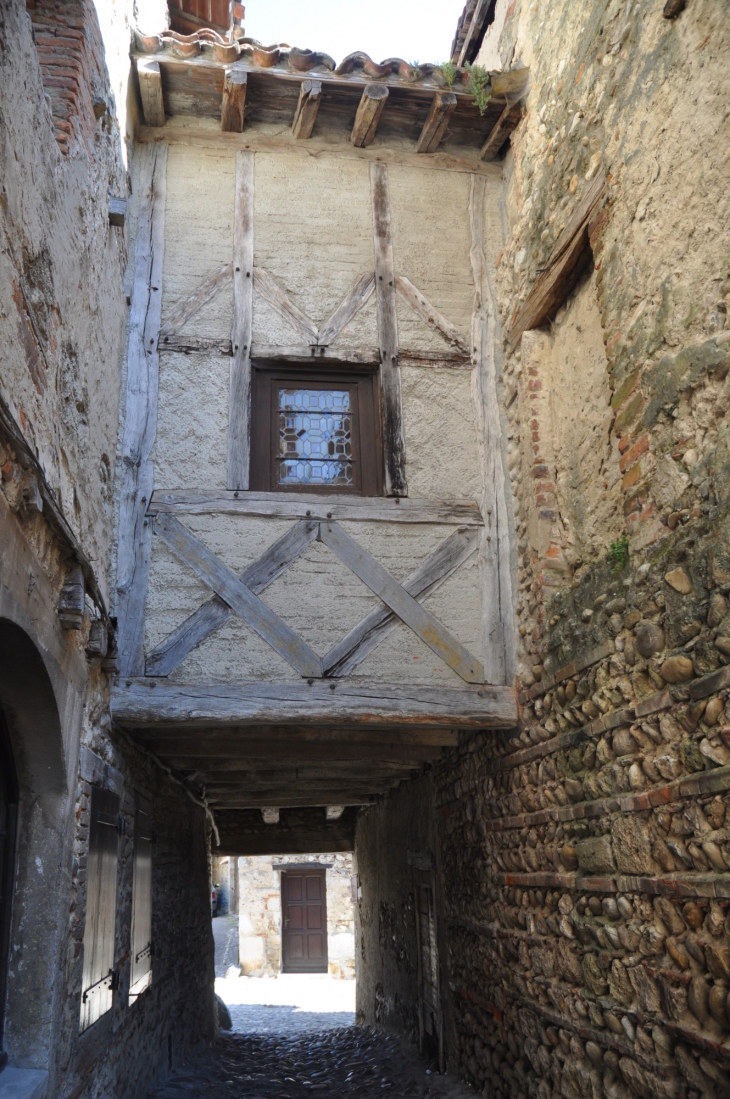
[240,595]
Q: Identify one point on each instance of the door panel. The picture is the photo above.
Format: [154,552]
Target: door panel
[304,921]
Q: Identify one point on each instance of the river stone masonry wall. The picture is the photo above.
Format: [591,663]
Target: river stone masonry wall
[583,859]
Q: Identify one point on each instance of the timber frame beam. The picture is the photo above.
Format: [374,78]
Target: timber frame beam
[140,702]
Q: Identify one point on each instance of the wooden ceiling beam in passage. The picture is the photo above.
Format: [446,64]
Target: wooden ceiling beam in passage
[150,90]
[232,750]
[305,116]
[372,104]
[434,128]
[233,104]
[246,736]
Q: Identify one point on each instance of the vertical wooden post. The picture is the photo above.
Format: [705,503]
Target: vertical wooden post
[393,436]
[136,472]
[239,411]
[497,615]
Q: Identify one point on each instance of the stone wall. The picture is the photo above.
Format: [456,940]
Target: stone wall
[585,867]
[259,937]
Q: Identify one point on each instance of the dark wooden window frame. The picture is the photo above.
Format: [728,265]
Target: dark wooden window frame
[141,960]
[8,836]
[363,384]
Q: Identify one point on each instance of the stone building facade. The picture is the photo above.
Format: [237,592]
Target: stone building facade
[260,913]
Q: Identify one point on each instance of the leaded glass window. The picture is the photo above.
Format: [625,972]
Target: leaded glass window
[315,437]
[315,430]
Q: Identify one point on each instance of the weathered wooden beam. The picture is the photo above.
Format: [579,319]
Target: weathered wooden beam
[430,630]
[215,613]
[136,474]
[138,702]
[305,116]
[332,738]
[511,84]
[307,353]
[435,360]
[473,27]
[390,389]
[430,314]
[370,108]
[193,553]
[349,307]
[498,614]
[295,505]
[568,259]
[289,800]
[233,104]
[150,91]
[283,305]
[239,403]
[200,297]
[195,345]
[364,638]
[437,121]
[199,133]
[312,352]
[187,750]
[503,127]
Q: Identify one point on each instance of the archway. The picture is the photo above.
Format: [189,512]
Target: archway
[33,803]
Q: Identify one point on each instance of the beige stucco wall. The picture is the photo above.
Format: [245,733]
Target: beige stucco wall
[313,234]
[259,941]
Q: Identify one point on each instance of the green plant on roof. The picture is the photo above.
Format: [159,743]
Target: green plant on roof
[448,71]
[618,553]
[416,72]
[478,85]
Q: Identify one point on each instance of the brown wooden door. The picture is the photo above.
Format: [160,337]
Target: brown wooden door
[304,921]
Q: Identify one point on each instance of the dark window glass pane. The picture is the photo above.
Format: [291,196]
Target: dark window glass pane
[315,437]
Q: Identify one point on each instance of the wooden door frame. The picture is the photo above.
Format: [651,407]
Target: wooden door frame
[424,875]
[304,869]
[10,781]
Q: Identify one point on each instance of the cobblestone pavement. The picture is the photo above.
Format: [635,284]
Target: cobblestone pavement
[225,937]
[288,1004]
[350,1061]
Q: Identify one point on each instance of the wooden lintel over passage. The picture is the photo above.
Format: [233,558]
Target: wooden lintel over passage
[149,702]
[370,109]
[568,260]
[310,97]
[234,101]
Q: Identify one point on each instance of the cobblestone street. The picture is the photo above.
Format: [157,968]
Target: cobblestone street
[349,1061]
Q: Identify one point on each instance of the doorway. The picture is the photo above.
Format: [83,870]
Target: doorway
[8,822]
[304,921]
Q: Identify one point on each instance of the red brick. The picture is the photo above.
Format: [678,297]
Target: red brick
[634,452]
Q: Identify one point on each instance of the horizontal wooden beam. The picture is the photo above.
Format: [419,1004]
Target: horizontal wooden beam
[437,121]
[503,127]
[296,505]
[308,353]
[233,105]
[142,701]
[568,259]
[234,751]
[331,738]
[305,116]
[207,134]
[287,800]
[370,108]
[150,91]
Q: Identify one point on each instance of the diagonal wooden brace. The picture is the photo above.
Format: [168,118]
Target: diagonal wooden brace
[224,582]
[421,621]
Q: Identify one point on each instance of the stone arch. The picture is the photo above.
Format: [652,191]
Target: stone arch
[31,714]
